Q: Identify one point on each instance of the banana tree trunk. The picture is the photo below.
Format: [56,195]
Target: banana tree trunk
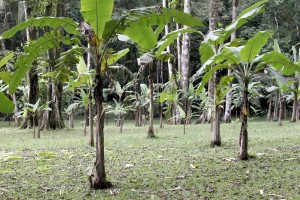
[97,177]
[280,110]
[71,119]
[216,136]
[243,155]
[91,124]
[276,103]
[151,114]
[295,104]
[270,108]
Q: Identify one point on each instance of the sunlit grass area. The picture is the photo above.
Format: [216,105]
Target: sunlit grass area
[172,166]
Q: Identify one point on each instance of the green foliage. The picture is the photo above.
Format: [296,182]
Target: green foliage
[245,16]
[138,25]
[33,51]
[4,60]
[97,13]
[254,46]
[6,105]
[169,39]
[116,56]
[281,63]
[68,24]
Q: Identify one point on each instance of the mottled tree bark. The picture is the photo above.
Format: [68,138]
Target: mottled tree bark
[97,177]
[185,62]
[32,78]
[214,4]
[53,119]
[243,155]
[91,124]
[227,115]
[280,110]
[165,4]
[295,103]
[276,103]
[216,136]
[270,108]
[150,130]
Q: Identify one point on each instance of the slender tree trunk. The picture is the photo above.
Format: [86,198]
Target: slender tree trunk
[33,119]
[227,115]
[179,49]
[39,126]
[295,103]
[185,62]
[98,176]
[32,78]
[284,109]
[214,4]
[17,121]
[53,119]
[216,136]
[167,30]
[243,155]
[151,114]
[91,124]
[270,108]
[276,103]
[280,110]
[71,119]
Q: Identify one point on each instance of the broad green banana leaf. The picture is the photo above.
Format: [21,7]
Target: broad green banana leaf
[97,13]
[6,105]
[254,45]
[68,24]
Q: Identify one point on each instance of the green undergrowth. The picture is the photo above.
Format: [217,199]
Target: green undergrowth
[171,166]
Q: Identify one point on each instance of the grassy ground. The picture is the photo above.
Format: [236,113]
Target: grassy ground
[173,166]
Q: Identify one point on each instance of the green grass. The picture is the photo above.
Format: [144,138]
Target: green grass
[172,166]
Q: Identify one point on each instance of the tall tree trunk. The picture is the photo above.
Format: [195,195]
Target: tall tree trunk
[243,155]
[280,110]
[16,117]
[270,108]
[276,103]
[97,177]
[214,4]
[216,136]
[185,62]
[284,109]
[179,49]
[165,4]
[53,119]
[227,115]
[295,103]
[150,130]
[91,124]
[71,119]
[32,77]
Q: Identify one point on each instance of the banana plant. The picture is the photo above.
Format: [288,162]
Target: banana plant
[211,50]
[246,62]
[119,110]
[36,110]
[98,29]
[6,105]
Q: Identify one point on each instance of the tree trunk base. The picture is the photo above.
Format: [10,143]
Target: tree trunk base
[243,157]
[99,185]
[215,143]
[150,133]
[97,182]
